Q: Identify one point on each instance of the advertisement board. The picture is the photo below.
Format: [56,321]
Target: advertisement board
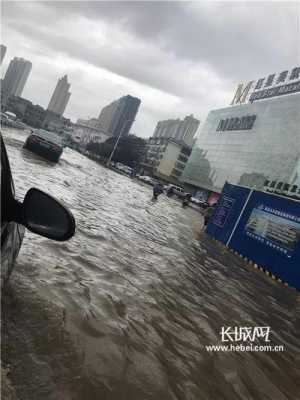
[275,84]
[261,226]
[276,91]
[281,233]
[228,209]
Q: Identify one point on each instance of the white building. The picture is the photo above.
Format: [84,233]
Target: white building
[2,52]
[254,142]
[165,158]
[16,76]
[84,134]
[60,97]
[184,130]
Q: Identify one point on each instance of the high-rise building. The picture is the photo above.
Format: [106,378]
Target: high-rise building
[107,114]
[178,129]
[60,97]
[118,117]
[166,128]
[16,76]
[2,52]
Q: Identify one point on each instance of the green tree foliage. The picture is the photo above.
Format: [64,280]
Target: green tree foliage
[130,149]
[94,148]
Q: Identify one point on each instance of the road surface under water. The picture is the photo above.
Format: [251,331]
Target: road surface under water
[125,309]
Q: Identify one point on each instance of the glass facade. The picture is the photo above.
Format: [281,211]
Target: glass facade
[248,154]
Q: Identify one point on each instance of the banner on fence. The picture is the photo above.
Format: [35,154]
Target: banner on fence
[261,226]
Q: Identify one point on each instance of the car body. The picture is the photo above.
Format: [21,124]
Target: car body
[39,212]
[3,118]
[199,202]
[196,201]
[127,170]
[11,115]
[11,233]
[178,191]
[123,168]
[46,144]
[9,119]
[148,179]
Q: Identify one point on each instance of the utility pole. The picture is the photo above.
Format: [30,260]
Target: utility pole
[116,144]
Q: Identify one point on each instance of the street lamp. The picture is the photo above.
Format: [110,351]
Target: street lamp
[116,144]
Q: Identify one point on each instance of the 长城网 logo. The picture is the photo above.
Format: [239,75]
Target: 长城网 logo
[245,334]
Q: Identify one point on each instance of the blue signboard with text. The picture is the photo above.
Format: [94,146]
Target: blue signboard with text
[227,211]
[266,230]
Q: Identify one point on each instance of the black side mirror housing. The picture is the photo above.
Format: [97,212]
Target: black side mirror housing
[46,216]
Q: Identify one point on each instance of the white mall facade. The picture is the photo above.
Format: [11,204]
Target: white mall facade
[248,144]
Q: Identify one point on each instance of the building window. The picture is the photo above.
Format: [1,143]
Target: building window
[176,173]
[182,158]
[186,151]
[179,166]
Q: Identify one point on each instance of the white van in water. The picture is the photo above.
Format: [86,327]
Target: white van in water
[12,116]
[10,119]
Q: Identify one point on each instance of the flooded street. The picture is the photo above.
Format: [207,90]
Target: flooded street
[125,309]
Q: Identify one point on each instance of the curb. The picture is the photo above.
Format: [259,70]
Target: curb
[257,267]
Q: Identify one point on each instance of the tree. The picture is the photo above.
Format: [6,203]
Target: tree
[129,151]
[94,148]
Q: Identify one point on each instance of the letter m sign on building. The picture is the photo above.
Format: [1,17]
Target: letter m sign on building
[241,93]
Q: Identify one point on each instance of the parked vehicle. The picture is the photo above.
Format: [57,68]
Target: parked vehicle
[177,190]
[39,212]
[3,115]
[148,179]
[123,168]
[199,202]
[46,144]
[12,116]
[9,119]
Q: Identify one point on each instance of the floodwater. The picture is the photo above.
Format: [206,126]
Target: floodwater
[125,309]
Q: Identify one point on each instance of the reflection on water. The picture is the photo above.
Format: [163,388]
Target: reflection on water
[125,309]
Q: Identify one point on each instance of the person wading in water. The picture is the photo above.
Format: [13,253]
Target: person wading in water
[157,190]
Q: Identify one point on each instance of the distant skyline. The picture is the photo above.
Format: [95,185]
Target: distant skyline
[179,58]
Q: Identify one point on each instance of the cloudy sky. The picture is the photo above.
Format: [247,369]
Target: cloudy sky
[179,58]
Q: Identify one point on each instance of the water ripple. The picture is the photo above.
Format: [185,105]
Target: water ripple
[125,309]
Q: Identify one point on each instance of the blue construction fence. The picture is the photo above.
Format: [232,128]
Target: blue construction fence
[262,227]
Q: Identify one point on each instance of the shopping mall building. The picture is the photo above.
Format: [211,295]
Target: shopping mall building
[254,142]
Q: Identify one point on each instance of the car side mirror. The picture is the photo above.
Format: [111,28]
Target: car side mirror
[44,215]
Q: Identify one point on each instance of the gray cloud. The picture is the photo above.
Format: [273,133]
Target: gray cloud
[243,38]
[193,51]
